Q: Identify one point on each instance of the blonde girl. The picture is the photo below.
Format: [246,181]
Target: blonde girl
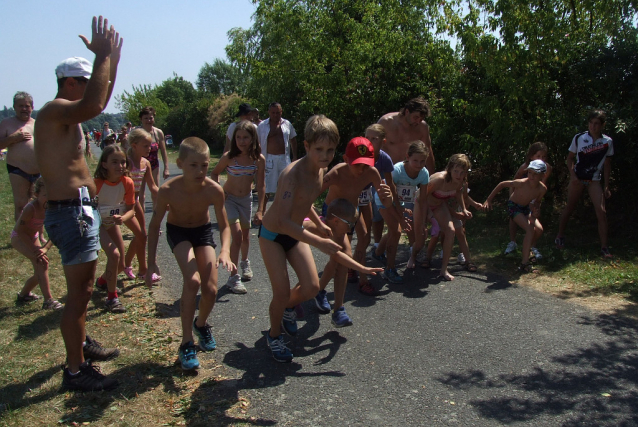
[444,185]
[140,170]
[536,151]
[242,163]
[116,193]
[25,238]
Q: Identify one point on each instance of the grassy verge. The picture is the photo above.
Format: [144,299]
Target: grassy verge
[153,391]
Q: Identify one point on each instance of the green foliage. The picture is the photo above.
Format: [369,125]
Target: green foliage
[220,77]
[141,96]
[352,61]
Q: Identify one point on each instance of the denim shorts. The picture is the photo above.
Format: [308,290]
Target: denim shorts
[62,224]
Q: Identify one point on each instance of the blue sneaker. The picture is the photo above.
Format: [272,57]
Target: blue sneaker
[289,322]
[380,258]
[392,276]
[206,340]
[340,318]
[321,301]
[280,352]
[188,356]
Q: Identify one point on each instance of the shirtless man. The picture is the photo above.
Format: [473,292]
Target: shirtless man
[405,126]
[278,141]
[16,134]
[72,220]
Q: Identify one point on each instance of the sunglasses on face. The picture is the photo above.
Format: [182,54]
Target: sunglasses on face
[350,223]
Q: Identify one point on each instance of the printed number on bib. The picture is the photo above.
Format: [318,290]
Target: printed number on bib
[365,197]
[406,193]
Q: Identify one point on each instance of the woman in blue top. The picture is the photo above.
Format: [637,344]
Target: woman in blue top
[409,176]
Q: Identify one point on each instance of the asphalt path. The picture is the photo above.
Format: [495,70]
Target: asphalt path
[476,351]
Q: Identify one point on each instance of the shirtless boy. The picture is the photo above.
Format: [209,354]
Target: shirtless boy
[190,236]
[347,181]
[16,135]
[282,239]
[524,192]
[405,126]
[72,218]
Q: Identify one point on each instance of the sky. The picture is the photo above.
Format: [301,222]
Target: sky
[160,37]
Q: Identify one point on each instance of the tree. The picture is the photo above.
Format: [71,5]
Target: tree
[220,77]
[144,95]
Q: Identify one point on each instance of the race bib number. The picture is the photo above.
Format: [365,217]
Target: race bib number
[406,193]
[366,197]
[107,212]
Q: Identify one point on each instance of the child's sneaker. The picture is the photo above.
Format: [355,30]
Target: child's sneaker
[392,276]
[188,356]
[379,258]
[205,336]
[340,318]
[461,258]
[114,305]
[89,378]
[321,301]
[606,253]
[280,352]
[536,254]
[289,322]
[235,285]
[94,351]
[511,247]
[353,277]
[367,289]
[100,283]
[52,304]
[560,242]
[246,271]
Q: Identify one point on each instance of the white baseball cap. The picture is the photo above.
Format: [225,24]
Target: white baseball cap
[74,67]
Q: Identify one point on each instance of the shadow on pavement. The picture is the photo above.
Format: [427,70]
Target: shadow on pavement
[591,386]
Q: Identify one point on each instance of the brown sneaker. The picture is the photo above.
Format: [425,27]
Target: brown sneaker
[114,305]
[94,351]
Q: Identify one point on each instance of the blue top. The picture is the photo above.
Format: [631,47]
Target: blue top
[406,186]
[384,163]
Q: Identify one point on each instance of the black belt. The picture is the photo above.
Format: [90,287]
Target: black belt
[73,202]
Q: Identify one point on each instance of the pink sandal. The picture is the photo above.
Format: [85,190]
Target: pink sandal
[128,272]
[155,277]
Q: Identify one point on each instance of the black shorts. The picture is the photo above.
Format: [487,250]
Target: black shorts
[284,240]
[28,176]
[197,236]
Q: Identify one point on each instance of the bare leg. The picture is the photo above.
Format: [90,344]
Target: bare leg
[22,192]
[40,270]
[137,246]
[185,258]
[524,222]
[391,239]
[236,244]
[79,284]
[598,200]
[574,191]
[112,259]
[363,238]
[245,241]
[442,215]
[206,265]
[341,277]
[419,229]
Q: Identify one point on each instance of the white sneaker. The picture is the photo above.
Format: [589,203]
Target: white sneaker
[246,271]
[536,254]
[461,258]
[235,285]
[511,247]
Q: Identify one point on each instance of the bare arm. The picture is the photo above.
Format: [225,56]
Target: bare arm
[148,178]
[499,187]
[261,189]
[94,100]
[347,261]
[161,141]
[159,210]
[115,60]
[570,165]
[129,212]
[7,139]
[219,168]
[606,176]
[429,162]
[224,230]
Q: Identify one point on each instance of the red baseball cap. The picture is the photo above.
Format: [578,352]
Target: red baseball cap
[360,150]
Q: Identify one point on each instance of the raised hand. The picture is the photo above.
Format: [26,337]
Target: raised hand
[102,38]
[117,50]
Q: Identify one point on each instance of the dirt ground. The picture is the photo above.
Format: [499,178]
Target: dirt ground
[578,294]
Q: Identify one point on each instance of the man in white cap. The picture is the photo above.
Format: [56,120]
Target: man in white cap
[72,220]
[16,135]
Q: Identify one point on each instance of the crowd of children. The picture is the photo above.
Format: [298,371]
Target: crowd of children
[363,192]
